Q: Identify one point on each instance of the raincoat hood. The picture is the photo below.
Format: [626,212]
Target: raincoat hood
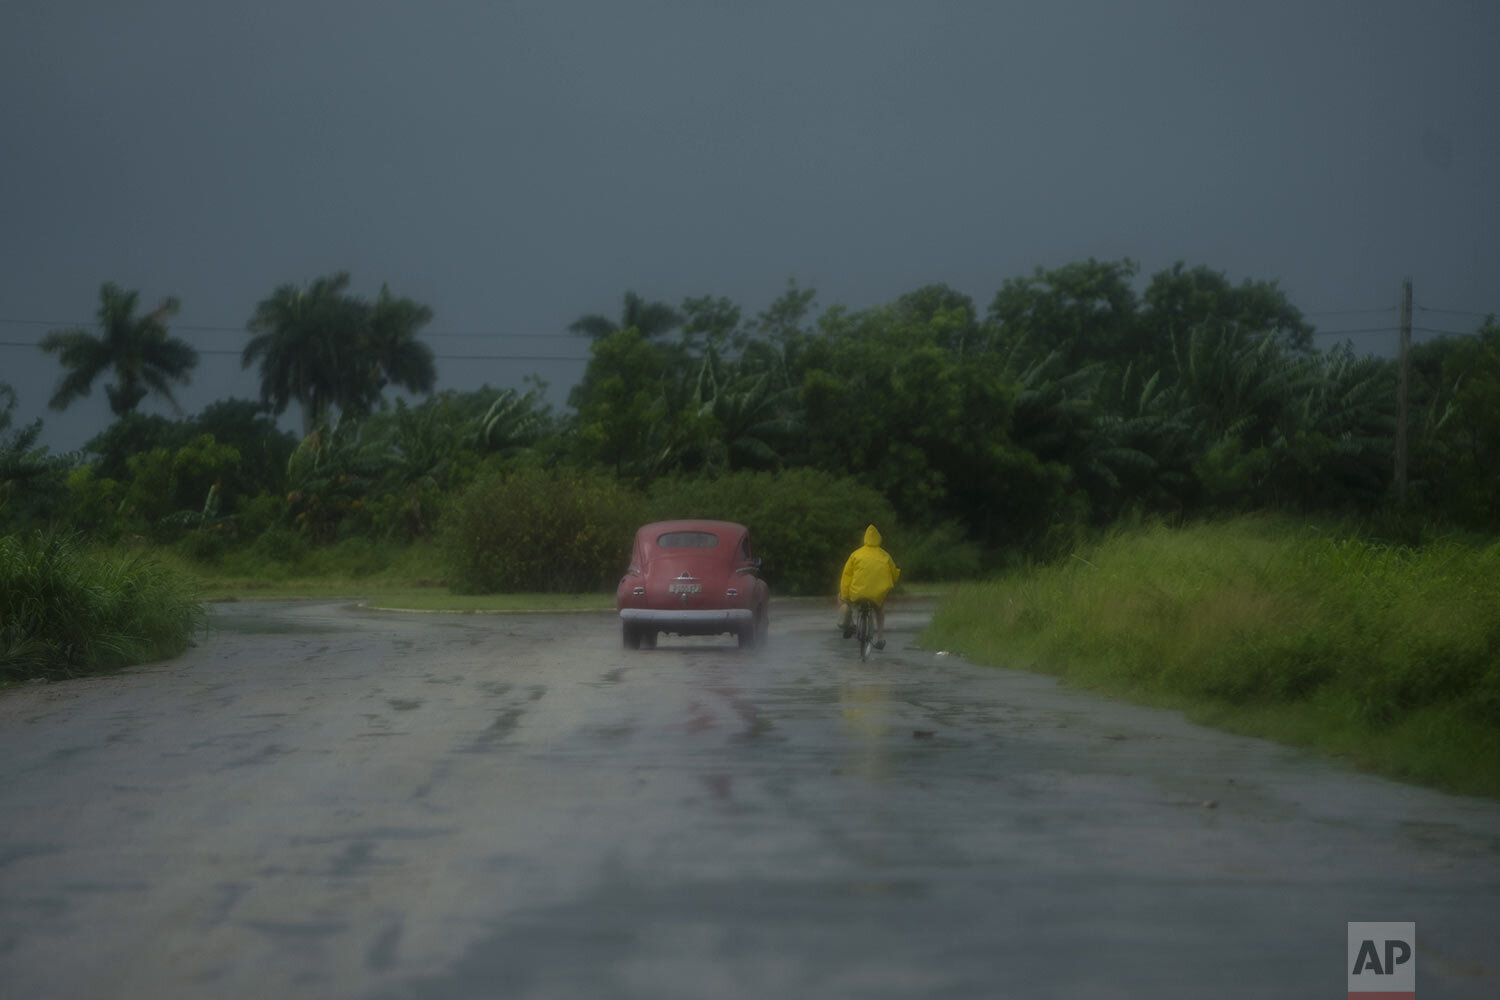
[869,572]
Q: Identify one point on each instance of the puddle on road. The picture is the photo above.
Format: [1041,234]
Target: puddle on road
[296,931]
[262,756]
[504,724]
[1448,838]
[264,622]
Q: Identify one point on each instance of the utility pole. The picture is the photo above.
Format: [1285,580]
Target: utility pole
[1402,364]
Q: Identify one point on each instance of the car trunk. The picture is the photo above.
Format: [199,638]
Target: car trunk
[671,588]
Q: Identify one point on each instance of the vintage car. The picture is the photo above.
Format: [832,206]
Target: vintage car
[692,578]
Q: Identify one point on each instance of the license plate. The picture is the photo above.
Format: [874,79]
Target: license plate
[684,588]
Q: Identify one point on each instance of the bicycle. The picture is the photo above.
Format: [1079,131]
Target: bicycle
[864,626]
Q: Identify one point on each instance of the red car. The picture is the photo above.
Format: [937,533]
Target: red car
[693,578]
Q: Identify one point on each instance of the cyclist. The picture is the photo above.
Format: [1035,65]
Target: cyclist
[869,574]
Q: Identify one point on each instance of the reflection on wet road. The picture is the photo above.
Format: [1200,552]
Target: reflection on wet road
[320,801]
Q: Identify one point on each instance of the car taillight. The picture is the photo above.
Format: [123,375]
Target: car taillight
[638,592]
[732,592]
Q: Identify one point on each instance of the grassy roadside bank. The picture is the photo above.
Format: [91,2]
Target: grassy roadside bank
[384,576]
[69,609]
[1387,656]
[66,610]
[352,568]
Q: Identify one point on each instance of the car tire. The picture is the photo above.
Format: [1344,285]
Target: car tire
[631,636]
[752,636]
[648,638]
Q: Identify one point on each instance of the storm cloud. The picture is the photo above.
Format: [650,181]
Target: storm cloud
[517,165]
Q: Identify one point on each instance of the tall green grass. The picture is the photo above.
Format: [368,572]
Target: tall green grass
[66,611]
[1385,654]
[291,568]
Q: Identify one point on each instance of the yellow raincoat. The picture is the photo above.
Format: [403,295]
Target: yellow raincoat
[870,572]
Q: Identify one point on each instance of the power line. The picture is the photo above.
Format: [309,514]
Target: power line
[441,357]
[211,328]
[1391,309]
[1447,333]
[1452,312]
[69,325]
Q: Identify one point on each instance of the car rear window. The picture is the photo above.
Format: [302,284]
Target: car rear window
[688,540]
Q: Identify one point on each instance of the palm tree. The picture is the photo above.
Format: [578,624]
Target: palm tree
[298,333]
[755,420]
[326,349]
[650,318]
[391,354]
[513,421]
[145,359]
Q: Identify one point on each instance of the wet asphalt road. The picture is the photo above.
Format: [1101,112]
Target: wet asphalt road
[319,801]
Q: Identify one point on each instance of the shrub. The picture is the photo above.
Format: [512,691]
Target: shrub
[532,530]
[94,504]
[938,553]
[804,522]
[259,514]
[350,558]
[66,611]
[281,545]
[206,545]
[172,490]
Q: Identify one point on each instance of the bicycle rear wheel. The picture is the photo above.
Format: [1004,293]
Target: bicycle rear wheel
[865,631]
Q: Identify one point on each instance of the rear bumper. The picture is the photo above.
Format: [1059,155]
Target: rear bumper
[688,622]
[654,616]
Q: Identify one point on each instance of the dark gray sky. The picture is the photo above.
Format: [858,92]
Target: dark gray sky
[515,165]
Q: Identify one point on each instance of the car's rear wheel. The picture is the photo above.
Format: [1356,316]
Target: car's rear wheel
[754,634]
[631,635]
[648,638]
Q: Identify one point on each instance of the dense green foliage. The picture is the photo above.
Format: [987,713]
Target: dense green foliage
[531,530]
[1456,438]
[1081,395]
[1385,652]
[1073,401]
[65,610]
